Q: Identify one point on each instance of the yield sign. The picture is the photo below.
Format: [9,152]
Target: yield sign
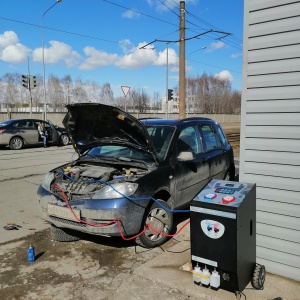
[125,89]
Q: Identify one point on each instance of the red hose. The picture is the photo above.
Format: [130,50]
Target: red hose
[118,222]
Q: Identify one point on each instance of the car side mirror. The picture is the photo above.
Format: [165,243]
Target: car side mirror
[186,156]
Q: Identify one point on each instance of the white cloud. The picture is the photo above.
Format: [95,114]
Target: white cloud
[225,75]
[236,55]
[137,58]
[126,46]
[97,58]
[10,49]
[162,58]
[215,46]
[130,14]
[57,52]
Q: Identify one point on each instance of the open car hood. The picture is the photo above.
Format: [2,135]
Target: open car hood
[92,124]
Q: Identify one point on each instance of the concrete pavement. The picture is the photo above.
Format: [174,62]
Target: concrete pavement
[172,268]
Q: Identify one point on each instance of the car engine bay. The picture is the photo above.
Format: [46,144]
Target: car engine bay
[82,181]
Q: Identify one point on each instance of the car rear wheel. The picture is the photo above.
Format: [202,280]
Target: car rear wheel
[158,221]
[64,139]
[16,143]
[62,235]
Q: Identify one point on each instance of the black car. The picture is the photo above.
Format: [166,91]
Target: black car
[16,133]
[131,175]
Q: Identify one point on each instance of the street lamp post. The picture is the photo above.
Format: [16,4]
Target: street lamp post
[44,79]
[167,82]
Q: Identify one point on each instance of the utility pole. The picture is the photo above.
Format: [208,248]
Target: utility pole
[182,61]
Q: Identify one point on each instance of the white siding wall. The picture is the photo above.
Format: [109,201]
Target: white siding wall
[270,129]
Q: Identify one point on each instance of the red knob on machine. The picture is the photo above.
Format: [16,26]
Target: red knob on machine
[228,199]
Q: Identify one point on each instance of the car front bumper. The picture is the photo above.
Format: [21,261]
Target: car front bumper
[98,217]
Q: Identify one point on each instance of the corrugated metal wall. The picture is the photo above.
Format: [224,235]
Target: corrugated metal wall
[270,129]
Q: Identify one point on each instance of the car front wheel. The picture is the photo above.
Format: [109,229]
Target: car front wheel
[16,143]
[64,139]
[158,222]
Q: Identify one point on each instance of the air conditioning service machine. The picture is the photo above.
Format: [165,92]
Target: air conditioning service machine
[223,237]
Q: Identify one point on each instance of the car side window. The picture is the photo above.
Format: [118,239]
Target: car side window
[189,141]
[221,135]
[24,124]
[210,137]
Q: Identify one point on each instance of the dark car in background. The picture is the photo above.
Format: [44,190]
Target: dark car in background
[131,175]
[17,133]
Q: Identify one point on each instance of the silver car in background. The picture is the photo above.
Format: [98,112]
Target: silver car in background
[16,133]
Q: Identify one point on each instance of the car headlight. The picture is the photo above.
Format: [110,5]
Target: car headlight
[47,181]
[117,190]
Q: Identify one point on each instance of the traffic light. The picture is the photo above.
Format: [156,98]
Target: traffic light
[25,81]
[32,82]
[170,94]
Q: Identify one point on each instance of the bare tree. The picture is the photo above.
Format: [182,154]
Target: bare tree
[156,101]
[107,95]
[211,94]
[10,93]
[79,93]
[55,93]
[67,87]
[140,100]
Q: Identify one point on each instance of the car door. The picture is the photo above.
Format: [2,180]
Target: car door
[27,131]
[53,134]
[216,154]
[192,175]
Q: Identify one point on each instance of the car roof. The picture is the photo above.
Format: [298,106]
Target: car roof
[176,122]
[23,119]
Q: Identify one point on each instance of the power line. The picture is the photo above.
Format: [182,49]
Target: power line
[141,13]
[60,30]
[231,41]
[169,8]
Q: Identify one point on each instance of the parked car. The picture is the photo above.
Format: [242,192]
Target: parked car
[131,175]
[16,133]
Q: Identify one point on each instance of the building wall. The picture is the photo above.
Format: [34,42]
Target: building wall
[270,129]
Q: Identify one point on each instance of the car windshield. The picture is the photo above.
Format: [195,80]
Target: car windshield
[161,137]
[122,153]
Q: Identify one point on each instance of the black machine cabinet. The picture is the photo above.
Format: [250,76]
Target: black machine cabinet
[223,232]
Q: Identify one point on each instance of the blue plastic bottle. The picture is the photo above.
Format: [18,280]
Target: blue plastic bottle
[30,254]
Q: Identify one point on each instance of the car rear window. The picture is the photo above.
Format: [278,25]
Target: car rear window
[5,123]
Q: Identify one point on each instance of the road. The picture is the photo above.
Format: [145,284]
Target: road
[20,174]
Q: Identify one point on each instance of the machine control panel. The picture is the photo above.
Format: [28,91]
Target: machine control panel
[222,192]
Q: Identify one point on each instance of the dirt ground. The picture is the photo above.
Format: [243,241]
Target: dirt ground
[98,268]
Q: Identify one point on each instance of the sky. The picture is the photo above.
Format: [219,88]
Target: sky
[123,43]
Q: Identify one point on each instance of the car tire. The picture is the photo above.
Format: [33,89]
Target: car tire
[229,175]
[159,217]
[62,235]
[16,143]
[259,276]
[64,139]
